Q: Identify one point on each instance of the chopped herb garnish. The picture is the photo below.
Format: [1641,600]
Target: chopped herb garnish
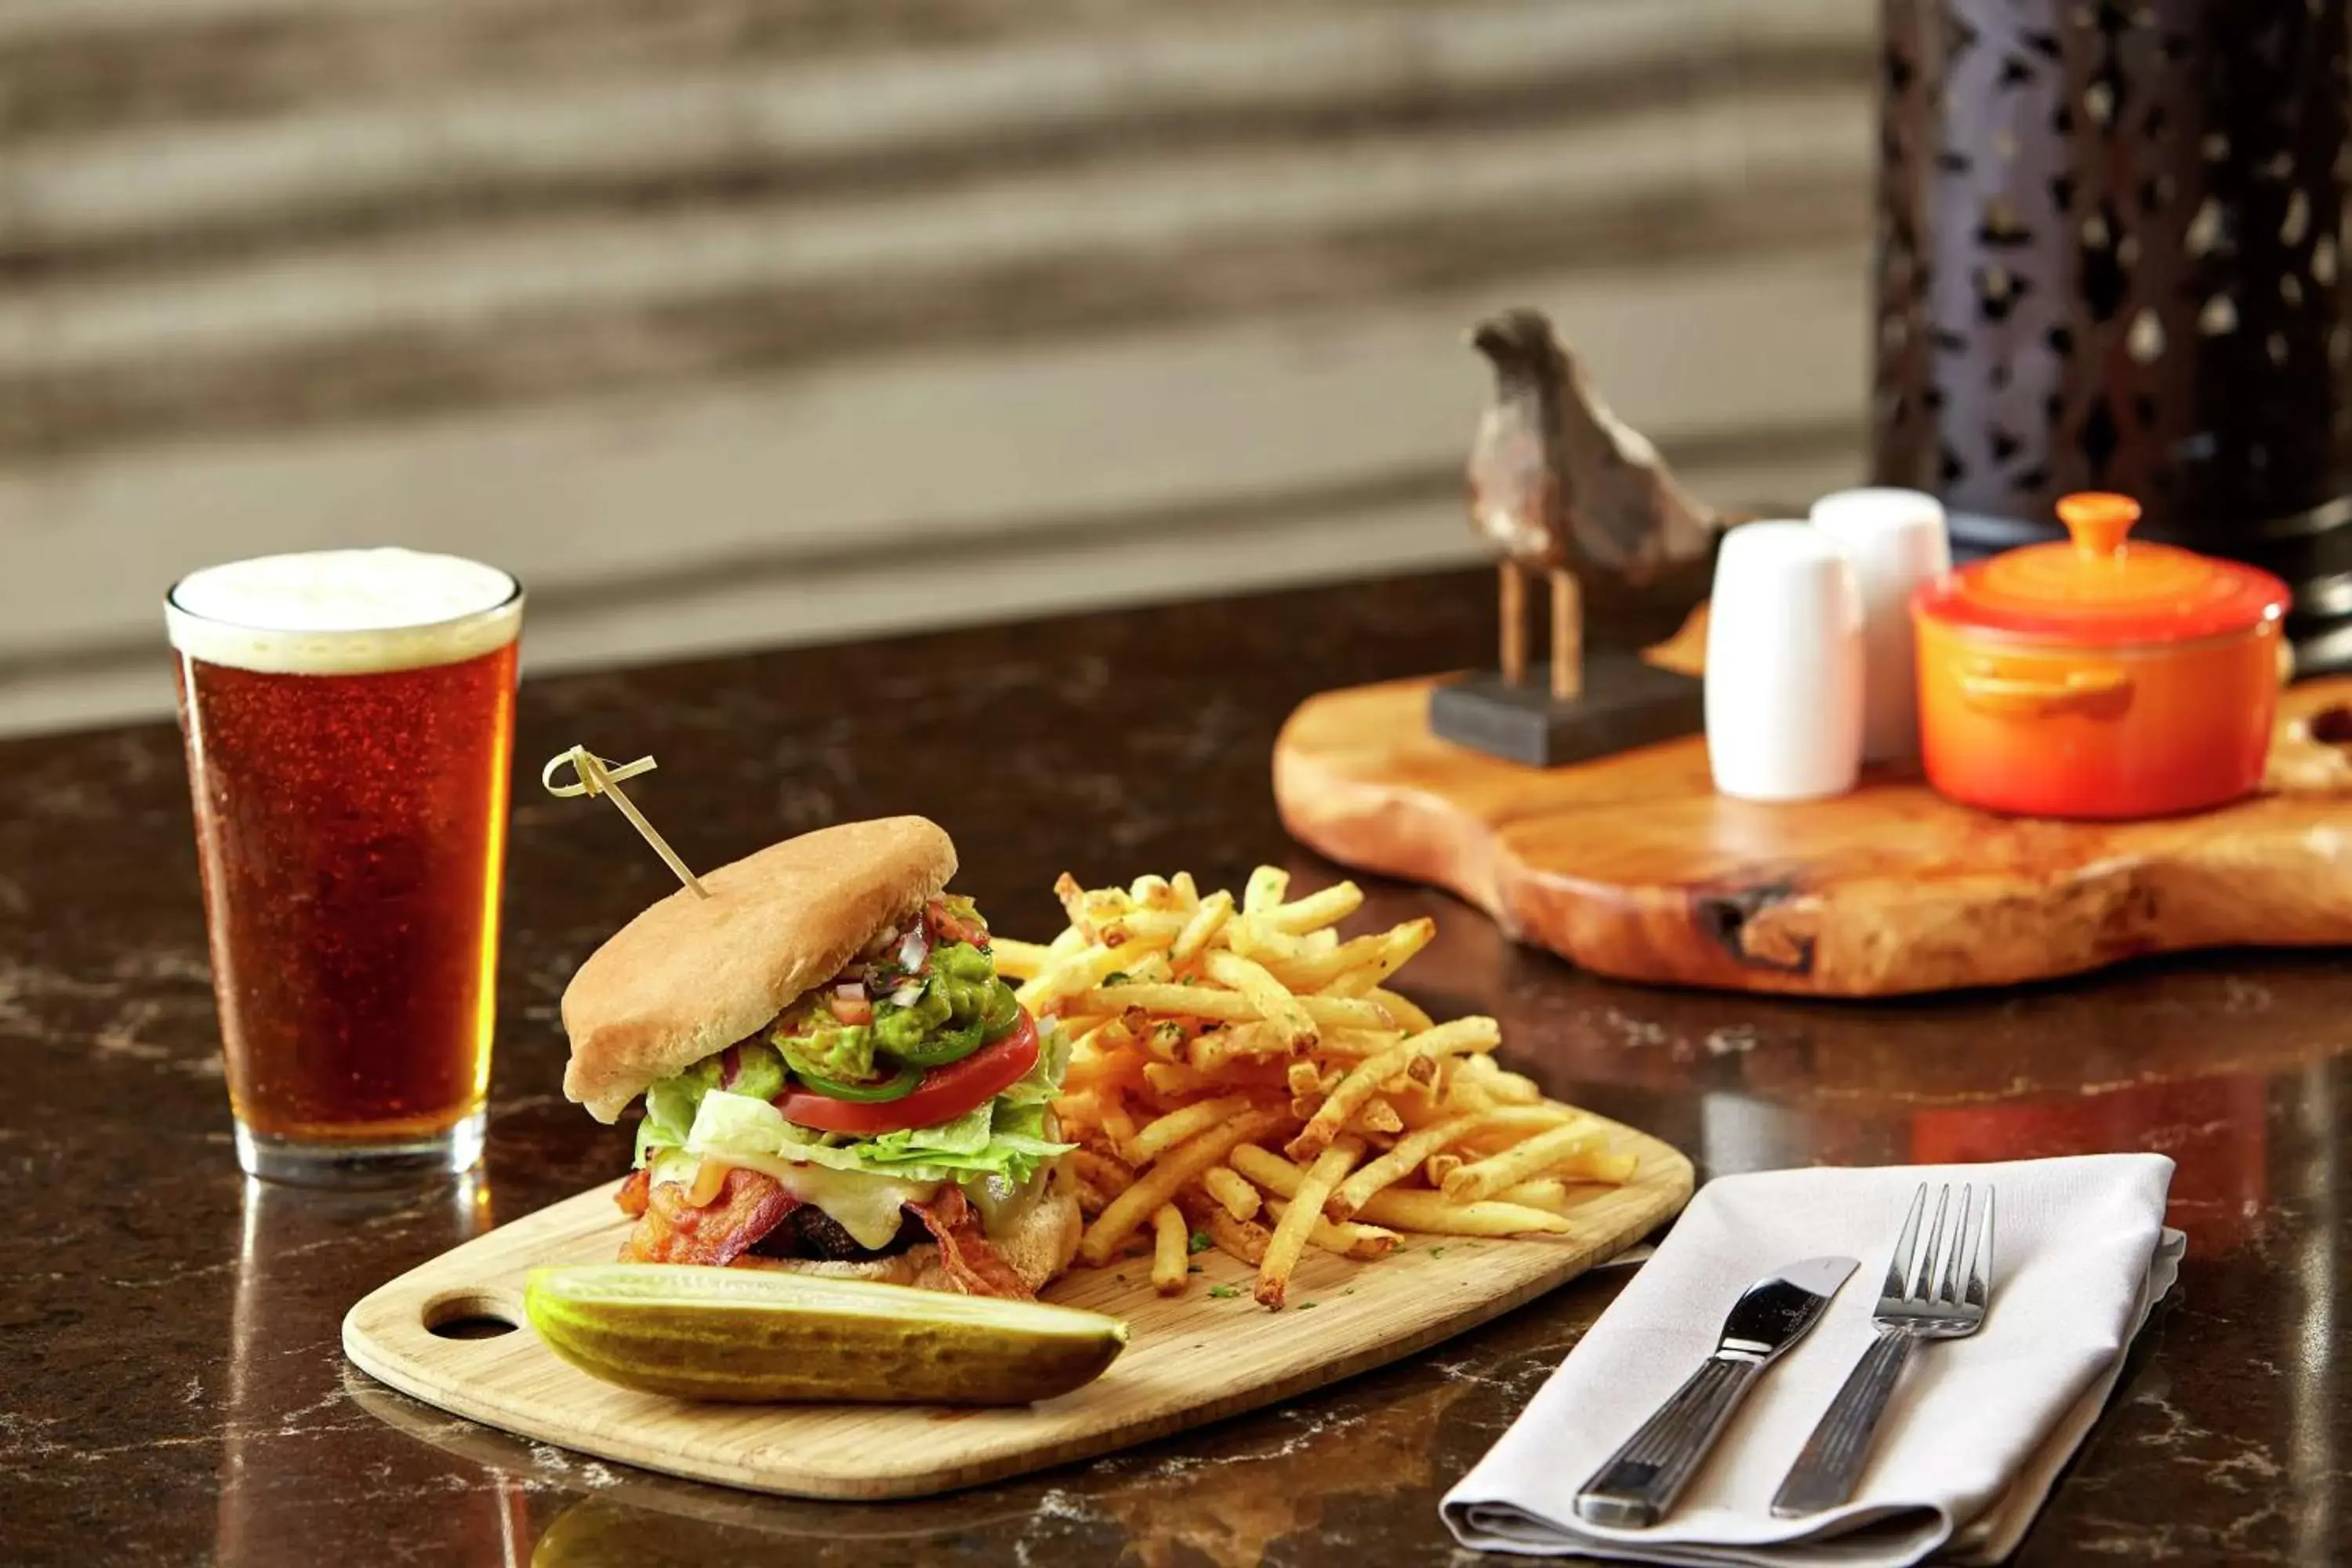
[1225,1292]
[1433,1252]
[1305,1306]
[1115,977]
[1200,1242]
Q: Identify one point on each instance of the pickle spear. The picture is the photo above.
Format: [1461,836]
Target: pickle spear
[755,1337]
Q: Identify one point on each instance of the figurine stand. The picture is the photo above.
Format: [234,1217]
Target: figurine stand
[1590,707]
[1626,702]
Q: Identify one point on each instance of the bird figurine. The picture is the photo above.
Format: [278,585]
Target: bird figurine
[1558,484]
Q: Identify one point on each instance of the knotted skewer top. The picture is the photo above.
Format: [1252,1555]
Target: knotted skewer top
[597,776]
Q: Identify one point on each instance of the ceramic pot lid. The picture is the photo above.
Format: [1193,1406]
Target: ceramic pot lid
[2098,588]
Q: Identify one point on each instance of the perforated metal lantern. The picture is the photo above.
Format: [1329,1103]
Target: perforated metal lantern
[2112,255]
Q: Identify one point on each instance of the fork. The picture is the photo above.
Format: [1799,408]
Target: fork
[1932,1292]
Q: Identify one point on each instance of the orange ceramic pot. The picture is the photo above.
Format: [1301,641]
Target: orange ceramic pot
[2098,678]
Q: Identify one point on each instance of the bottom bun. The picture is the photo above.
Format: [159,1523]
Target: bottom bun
[1039,1247]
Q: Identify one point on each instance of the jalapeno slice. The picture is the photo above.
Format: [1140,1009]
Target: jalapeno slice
[1004,1014]
[946,1045]
[899,1086]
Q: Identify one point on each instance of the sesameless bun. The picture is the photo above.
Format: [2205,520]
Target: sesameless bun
[1038,1246]
[693,975]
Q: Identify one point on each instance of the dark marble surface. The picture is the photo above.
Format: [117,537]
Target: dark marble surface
[174,1391]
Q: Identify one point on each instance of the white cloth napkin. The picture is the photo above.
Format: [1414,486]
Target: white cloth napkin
[1975,1435]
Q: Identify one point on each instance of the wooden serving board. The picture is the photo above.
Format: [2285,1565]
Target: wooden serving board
[1191,1359]
[1632,866]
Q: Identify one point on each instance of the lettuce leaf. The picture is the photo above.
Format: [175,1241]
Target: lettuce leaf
[967,1134]
[1042,1081]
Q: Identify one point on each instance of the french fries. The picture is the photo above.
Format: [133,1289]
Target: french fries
[1368,959]
[1171,1080]
[1440,1216]
[1158,1183]
[1276,1006]
[1243,1071]
[1406,1210]
[1363,1242]
[1179,1125]
[1172,1250]
[1406,1014]
[1352,1091]
[1518,1162]
[1552,1193]
[1349,1013]
[1223,1048]
[1393,1166]
[1290,1233]
[1313,912]
[1201,928]
[1117,1125]
[1173,1001]
[1078,973]
[1017,960]
[1237,1197]
[1243,1238]
[1265,888]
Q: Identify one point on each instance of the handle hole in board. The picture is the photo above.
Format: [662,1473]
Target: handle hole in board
[472,1315]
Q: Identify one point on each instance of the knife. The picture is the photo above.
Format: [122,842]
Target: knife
[1641,1480]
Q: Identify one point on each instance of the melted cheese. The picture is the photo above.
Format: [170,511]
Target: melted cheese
[867,1208]
[709,1180]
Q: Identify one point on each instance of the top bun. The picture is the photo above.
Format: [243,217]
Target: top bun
[693,975]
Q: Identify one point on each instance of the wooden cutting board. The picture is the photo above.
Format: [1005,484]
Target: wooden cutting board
[1190,1360]
[1633,866]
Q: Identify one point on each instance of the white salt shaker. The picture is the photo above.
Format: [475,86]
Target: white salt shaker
[1784,675]
[1896,540]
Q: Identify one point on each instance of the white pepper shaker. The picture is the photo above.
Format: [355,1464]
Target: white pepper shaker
[1896,540]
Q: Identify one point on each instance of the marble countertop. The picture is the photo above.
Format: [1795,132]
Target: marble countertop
[175,1389]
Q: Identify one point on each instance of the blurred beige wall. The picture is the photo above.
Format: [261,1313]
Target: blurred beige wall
[725,323]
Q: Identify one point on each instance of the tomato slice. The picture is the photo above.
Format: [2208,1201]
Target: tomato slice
[942,1096]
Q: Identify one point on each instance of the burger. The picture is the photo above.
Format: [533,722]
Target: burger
[834,1078]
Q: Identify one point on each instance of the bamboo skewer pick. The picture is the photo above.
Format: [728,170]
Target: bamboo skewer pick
[598,777]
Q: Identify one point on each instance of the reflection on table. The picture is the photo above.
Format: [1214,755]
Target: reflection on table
[274,1474]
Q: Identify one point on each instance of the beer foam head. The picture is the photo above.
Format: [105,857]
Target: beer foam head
[343,612]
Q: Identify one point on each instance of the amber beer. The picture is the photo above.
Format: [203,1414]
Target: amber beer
[348,718]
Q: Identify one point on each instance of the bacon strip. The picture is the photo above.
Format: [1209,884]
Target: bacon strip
[965,1252]
[751,1204]
[631,1195]
[671,1230]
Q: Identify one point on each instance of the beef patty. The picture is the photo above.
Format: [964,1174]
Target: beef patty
[808,1232]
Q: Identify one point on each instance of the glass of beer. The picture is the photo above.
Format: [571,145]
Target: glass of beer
[349,717]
